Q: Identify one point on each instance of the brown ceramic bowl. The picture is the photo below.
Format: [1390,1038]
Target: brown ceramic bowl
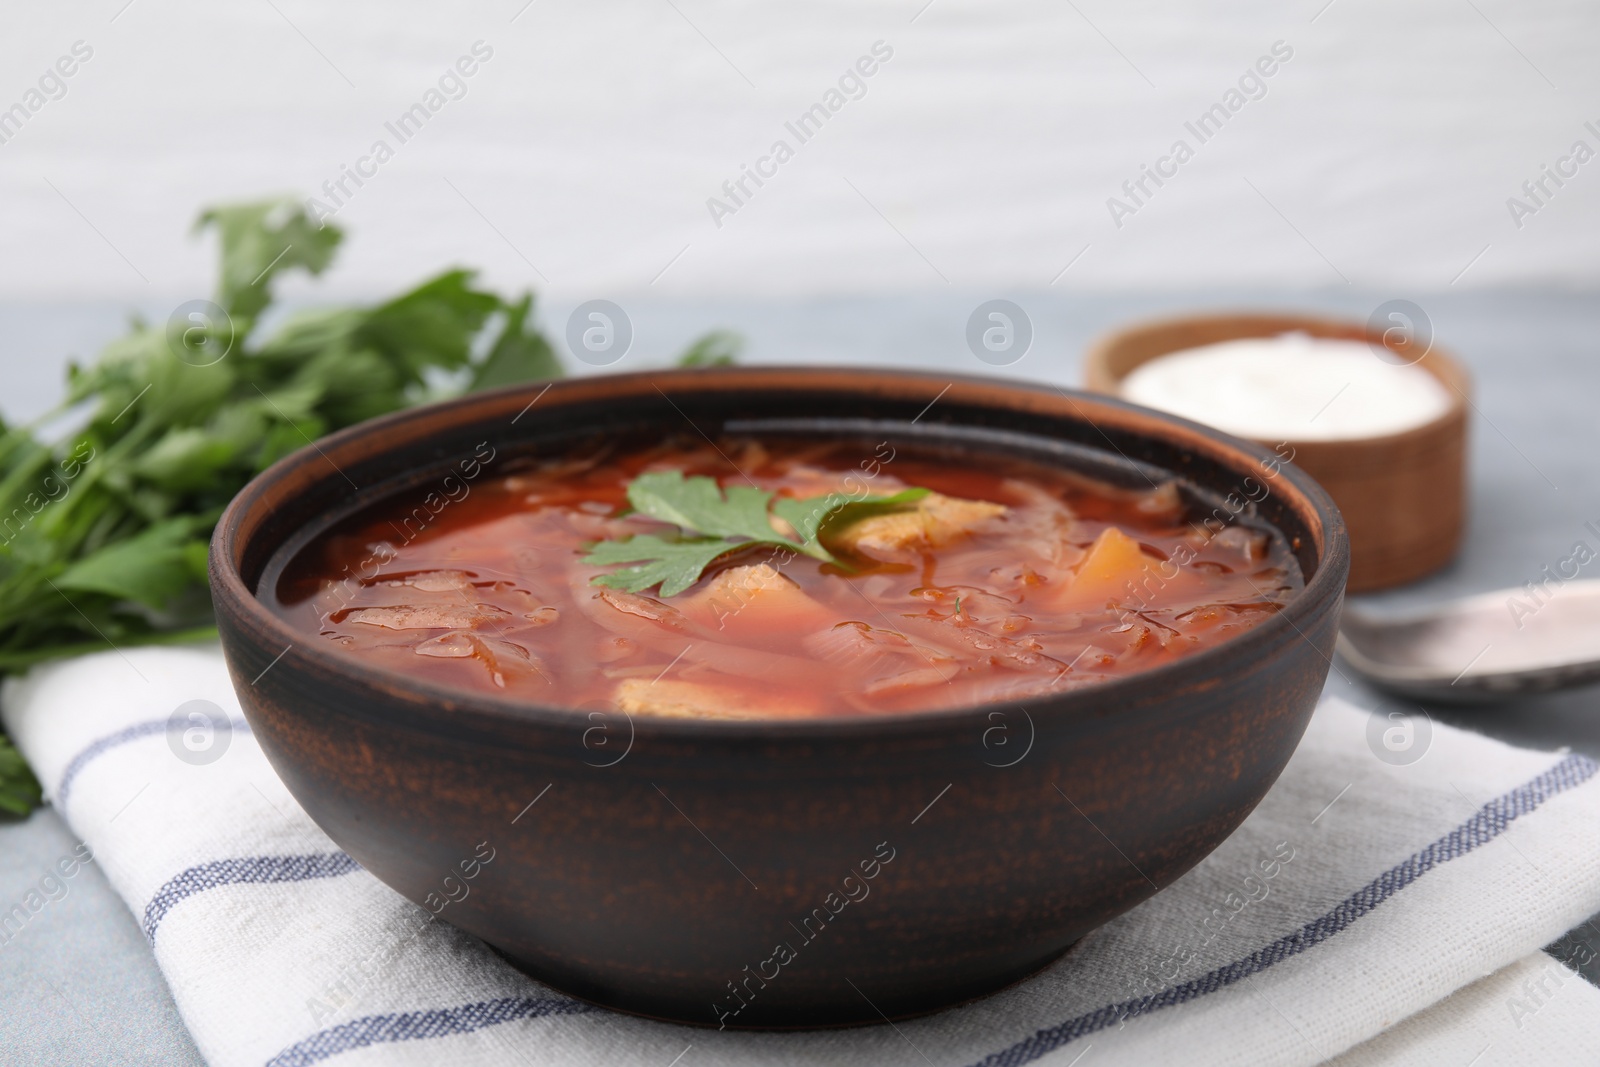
[1403,495]
[819,872]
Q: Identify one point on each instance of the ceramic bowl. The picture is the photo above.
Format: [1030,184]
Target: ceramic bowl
[779,873]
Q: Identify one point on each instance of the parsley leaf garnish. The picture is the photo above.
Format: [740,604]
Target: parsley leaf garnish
[700,504]
[676,565]
[711,518]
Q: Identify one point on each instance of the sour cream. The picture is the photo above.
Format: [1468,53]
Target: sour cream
[1293,387]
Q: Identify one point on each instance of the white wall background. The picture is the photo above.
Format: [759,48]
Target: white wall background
[1382,155]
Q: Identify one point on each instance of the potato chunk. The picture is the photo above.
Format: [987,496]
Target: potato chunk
[935,521]
[755,599]
[701,700]
[1114,561]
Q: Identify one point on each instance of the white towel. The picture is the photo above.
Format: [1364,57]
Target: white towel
[1533,1012]
[1373,882]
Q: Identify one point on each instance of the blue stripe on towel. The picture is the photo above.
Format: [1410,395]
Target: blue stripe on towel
[101,746]
[247,870]
[416,1025]
[1490,822]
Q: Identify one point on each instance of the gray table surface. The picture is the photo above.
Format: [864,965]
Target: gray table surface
[79,985]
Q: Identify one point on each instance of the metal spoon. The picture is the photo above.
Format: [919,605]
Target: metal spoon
[1484,647]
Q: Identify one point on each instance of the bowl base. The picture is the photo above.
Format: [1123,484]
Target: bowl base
[850,1010]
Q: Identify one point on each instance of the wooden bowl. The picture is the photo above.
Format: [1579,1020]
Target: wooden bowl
[818,872]
[1403,495]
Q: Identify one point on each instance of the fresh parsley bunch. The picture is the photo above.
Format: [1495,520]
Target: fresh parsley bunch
[104,534]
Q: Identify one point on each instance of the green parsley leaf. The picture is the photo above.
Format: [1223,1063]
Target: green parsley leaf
[260,240]
[19,789]
[150,568]
[698,505]
[675,564]
[521,354]
[719,348]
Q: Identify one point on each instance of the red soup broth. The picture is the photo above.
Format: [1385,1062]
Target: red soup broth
[1028,580]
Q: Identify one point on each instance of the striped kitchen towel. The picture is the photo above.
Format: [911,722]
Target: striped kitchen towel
[1385,904]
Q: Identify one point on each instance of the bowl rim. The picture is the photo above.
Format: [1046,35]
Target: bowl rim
[1097,357]
[448,709]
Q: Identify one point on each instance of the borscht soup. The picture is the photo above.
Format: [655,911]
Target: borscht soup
[780,577]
